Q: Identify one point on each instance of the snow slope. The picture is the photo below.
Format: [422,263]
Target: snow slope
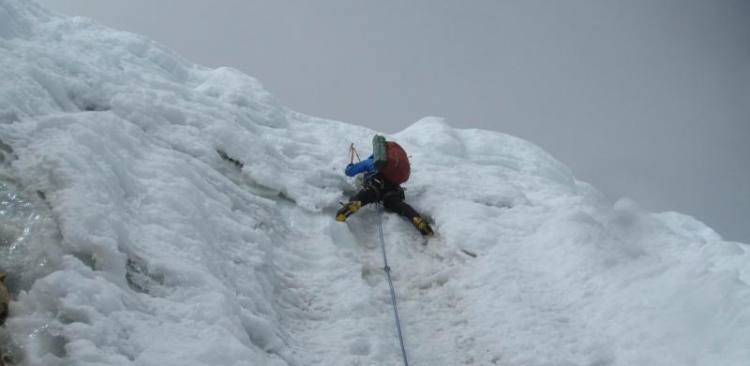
[131,241]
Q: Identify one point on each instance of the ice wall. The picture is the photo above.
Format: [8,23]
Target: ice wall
[159,212]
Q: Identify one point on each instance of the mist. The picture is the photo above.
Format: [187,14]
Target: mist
[643,99]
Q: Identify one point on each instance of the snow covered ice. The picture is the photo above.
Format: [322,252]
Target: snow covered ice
[129,240]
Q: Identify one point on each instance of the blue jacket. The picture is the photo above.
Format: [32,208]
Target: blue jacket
[365,166]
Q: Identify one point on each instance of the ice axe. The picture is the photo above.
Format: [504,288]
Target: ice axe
[353,152]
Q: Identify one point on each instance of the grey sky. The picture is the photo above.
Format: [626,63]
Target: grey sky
[645,99]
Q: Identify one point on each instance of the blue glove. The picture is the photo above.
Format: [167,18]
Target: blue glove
[366,165]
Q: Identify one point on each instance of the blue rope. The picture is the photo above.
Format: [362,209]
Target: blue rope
[387,270]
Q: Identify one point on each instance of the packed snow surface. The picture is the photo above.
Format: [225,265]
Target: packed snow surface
[156,212]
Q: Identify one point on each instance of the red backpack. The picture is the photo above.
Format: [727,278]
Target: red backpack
[394,165]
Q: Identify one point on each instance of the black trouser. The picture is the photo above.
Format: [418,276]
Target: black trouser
[392,196]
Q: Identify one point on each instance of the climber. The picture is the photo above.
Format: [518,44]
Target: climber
[384,171]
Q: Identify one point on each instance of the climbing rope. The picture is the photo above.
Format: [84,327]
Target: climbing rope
[387,270]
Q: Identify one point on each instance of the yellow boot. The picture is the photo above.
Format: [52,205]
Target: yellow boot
[422,225]
[348,210]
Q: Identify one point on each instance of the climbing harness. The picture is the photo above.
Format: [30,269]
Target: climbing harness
[387,270]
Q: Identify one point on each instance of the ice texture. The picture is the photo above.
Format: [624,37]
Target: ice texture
[157,212]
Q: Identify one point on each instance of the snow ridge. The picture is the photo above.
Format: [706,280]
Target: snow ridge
[157,212]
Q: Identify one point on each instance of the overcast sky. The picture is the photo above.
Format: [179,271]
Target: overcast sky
[648,99]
